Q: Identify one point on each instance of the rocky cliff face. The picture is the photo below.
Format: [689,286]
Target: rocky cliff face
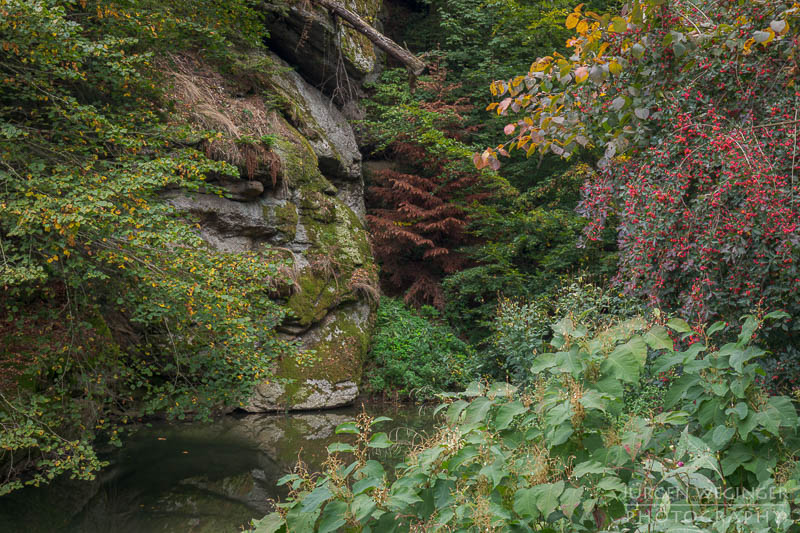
[301,193]
[328,54]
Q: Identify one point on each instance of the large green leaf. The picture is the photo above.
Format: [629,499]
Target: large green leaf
[559,435]
[570,500]
[380,440]
[463,455]
[501,389]
[547,498]
[623,365]
[380,419]
[658,339]
[272,523]
[715,327]
[495,471]
[316,498]
[785,409]
[543,362]
[736,457]
[593,399]
[777,315]
[675,418]
[506,413]
[588,467]
[748,328]
[332,517]
[611,484]
[571,362]
[340,447]
[365,484]
[679,325]
[297,519]
[525,502]
[741,356]
[636,346]
[454,410]
[678,389]
[475,413]
[362,507]
[667,361]
[347,428]
[721,436]
[443,492]
[559,413]
[401,500]
[740,410]
[372,469]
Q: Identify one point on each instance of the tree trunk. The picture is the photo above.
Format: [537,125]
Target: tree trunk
[412,63]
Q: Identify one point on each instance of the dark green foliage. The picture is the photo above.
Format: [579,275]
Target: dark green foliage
[111,305]
[525,231]
[483,41]
[780,370]
[528,245]
[414,355]
[521,330]
[721,456]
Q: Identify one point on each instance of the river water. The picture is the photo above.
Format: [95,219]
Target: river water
[198,478]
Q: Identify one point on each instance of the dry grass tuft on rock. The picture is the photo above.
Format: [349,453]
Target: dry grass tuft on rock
[245,126]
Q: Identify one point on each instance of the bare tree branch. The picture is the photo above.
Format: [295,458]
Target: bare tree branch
[411,62]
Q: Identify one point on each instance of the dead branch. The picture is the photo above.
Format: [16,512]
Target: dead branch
[411,62]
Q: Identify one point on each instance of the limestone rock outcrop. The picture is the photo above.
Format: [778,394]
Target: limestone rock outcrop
[301,193]
[328,54]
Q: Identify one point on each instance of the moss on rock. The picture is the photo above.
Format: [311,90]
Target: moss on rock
[357,48]
[284,217]
[314,297]
[330,316]
[340,345]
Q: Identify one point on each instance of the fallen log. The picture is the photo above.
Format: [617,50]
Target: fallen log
[411,62]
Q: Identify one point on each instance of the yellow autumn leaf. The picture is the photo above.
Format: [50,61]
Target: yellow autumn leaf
[572,20]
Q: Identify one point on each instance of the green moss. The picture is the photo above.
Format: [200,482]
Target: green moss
[318,206]
[338,246]
[315,296]
[339,356]
[342,349]
[291,105]
[286,219]
[298,159]
[357,48]
[346,235]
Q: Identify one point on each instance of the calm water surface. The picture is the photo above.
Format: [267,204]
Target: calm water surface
[197,478]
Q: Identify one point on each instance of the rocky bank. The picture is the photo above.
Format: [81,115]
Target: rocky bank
[301,190]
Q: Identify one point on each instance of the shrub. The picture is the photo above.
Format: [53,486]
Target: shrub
[780,371]
[696,114]
[417,209]
[111,305]
[520,330]
[721,457]
[527,244]
[414,355]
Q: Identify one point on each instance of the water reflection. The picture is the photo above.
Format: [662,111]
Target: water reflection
[196,478]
